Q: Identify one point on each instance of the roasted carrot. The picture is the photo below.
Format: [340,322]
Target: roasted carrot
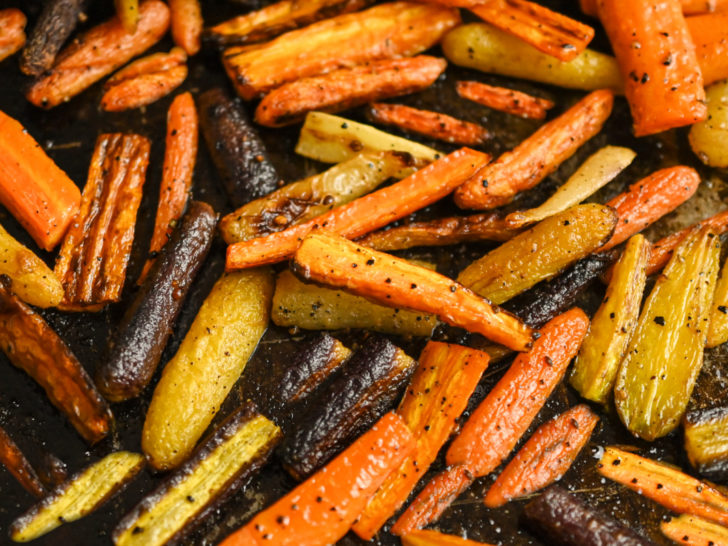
[437,394]
[348,87]
[12,31]
[186,17]
[689,7]
[545,457]
[18,465]
[32,187]
[332,260]
[367,213]
[694,531]
[657,59]
[435,538]
[430,124]
[99,52]
[505,100]
[710,36]
[538,156]
[321,509]
[128,13]
[649,199]
[665,485]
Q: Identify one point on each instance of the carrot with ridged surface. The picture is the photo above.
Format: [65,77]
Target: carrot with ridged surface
[505,100]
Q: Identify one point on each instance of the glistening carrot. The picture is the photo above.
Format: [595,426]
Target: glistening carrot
[710,36]
[505,100]
[321,509]
[367,213]
[694,531]
[435,538]
[538,156]
[656,56]
[16,463]
[186,24]
[545,457]
[12,31]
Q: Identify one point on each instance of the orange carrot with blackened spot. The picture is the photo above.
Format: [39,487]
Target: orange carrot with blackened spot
[428,123]
[505,100]
[321,509]
[545,457]
[538,156]
[186,24]
[694,531]
[656,56]
[710,35]
[18,465]
[12,31]
[367,213]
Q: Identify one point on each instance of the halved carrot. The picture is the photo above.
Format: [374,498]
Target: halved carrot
[97,53]
[437,394]
[710,36]
[32,187]
[430,124]
[12,31]
[435,538]
[503,99]
[537,156]
[187,24]
[689,7]
[321,509]
[545,457]
[18,465]
[348,87]
[694,531]
[367,213]
[656,56]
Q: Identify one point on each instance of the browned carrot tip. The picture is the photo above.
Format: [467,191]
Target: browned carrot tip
[505,100]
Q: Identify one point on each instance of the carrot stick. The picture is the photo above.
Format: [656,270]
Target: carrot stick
[97,53]
[710,35]
[665,485]
[504,100]
[32,187]
[545,457]
[437,394]
[12,31]
[650,199]
[320,510]
[367,213]
[663,84]
[538,156]
[348,87]
[18,465]
[186,17]
[435,538]
[694,531]
[430,124]
[332,260]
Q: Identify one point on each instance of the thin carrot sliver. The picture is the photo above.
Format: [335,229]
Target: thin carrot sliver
[16,463]
[503,99]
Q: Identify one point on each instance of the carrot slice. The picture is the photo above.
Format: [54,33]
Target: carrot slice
[538,156]
[186,17]
[694,531]
[367,213]
[18,465]
[435,538]
[662,79]
[321,509]
[12,31]
[710,35]
[545,457]
[650,199]
[437,394]
[505,100]
[97,53]
[428,123]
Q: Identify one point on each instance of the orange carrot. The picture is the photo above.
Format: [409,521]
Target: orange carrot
[430,124]
[694,531]
[32,187]
[650,199]
[689,7]
[505,100]
[321,509]
[187,24]
[538,156]
[657,59]
[545,457]
[18,465]
[12,31]
[97,53]
[367,213]
[437,394]
[348,87]
[435,538]
[710,35]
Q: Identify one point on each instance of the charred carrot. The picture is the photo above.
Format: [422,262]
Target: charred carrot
[538,156]
[332,260]
[694,531]
[435,538]
[438,393]
[367,213]
[186,17]
[430,124]
[12,31]
[32,187]
[545,457]
[18,465]
[321,509]
[650,199]
[662,79]
[348,87]
[505,100]
[710,35]
[97,53]
[665,485]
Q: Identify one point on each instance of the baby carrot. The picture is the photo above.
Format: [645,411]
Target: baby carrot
[186,17]
[12,31]
[505,100]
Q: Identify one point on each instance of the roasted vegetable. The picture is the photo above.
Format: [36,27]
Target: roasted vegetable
[367,385]
[709,138]
[149,321]
[31,345]
[709,33]
[706,441]
[207,364]
[505,100]
[236,149]
[664,357]
[718,330]
[391,30]
[95,251]
[321,510]
[79,496]
[12,31]
[234,452]
[52,471]
[16,463]
[597,364]
[435,538]
[128,13]
[186,23]
[539,253]
[689,7]
[694,531]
